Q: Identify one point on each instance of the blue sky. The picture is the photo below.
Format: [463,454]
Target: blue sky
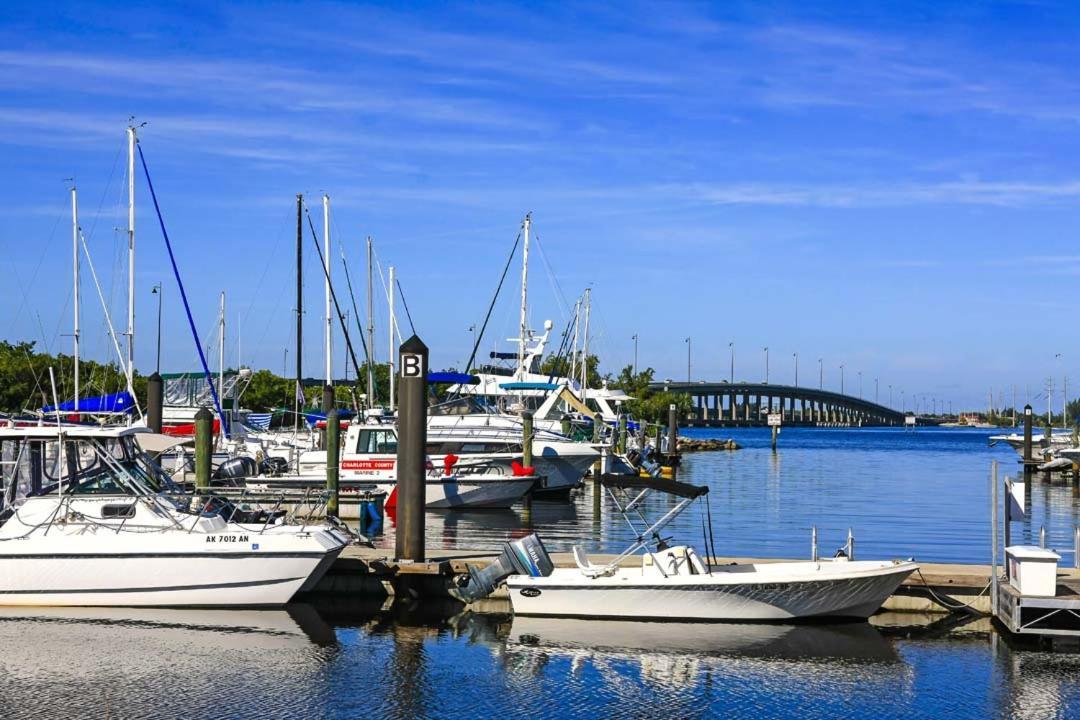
[894,188]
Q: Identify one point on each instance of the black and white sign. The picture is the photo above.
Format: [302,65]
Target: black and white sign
[412,365]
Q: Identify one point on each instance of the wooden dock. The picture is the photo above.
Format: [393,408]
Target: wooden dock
[372,572]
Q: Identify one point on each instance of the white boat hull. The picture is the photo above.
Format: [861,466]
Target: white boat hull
[784,591]
[169,570]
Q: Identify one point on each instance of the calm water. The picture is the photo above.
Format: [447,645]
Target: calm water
[922,494]
[343,663]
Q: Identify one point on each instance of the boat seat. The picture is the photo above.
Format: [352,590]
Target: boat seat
[586,567]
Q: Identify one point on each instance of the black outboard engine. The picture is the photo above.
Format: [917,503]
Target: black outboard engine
[237,467]
[274,466]
[526,556]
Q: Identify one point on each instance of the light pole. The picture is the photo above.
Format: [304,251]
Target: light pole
[890,396]
[796,356]
[635,353]
[820,375]
[903,401]
[732,346]
[841,379]
[160,293]
[766,366]
[876,392]
[860,384]
[688,344]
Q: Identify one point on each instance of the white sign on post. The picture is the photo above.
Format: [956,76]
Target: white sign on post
[412,365]
[909,420]
[774,419]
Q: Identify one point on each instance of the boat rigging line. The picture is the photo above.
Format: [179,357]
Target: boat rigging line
[108,317]
[487,317]
[401,294]
[183,297]
[333,297]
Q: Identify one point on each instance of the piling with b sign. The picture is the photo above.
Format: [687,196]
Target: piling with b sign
[411,452]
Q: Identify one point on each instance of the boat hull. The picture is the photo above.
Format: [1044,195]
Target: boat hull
[723,596]
[253,571]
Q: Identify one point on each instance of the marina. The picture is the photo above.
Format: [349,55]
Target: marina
[544,361]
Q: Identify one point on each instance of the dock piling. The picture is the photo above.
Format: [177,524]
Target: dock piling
[622,433]
[411,455]
[155,398]
[1027,436]
[813,544]
[849,550]
[1076,547]
[673,430]
[1042,536]
[333,444]
[527,461]
[204,438]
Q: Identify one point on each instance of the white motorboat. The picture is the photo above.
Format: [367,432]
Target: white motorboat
[488,464]
[87,520]
[675,583]
[1040,446]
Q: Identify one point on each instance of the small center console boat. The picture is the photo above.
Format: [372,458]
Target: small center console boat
[673,582]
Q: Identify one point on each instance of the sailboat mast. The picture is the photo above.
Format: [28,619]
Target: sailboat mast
[524,298]
[221,354]
[585,347]
[329,332]
[370,331]
[393,324]
[131,261]
[75,280]
[573,352]
[299,310]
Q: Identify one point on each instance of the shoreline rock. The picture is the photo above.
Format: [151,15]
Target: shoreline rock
[697,445]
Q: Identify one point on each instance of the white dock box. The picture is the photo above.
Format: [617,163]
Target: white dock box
[1032,570]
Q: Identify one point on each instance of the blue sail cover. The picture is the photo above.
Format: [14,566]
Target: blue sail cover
[120,402]
[453,378]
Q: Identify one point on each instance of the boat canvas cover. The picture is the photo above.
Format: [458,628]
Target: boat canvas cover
[453,378]
[120,402]
[671,487]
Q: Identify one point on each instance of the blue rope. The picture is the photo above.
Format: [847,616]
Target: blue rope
[183,296]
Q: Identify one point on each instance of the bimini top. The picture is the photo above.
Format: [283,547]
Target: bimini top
[528,386]
[70,431]
[631,482]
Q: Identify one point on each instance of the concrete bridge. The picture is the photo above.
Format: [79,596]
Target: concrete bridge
[726,404]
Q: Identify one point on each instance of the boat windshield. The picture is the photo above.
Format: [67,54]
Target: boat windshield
[105,466]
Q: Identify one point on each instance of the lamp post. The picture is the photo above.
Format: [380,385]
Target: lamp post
[157,290]
[890,395]
[876,392]
[732,346]
[820,375]
[688,345]
[635,354]
[766,365]
[841,379]
[860,384]
[796,356]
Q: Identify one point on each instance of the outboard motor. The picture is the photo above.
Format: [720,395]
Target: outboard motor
[526,556]
[648,464]
[237,467]
[273,465]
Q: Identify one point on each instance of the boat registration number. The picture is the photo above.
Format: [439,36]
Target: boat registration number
[227,539]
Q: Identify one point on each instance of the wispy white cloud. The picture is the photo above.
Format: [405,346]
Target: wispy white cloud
[830,195]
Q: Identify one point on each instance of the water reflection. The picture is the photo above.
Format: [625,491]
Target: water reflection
[353,658]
